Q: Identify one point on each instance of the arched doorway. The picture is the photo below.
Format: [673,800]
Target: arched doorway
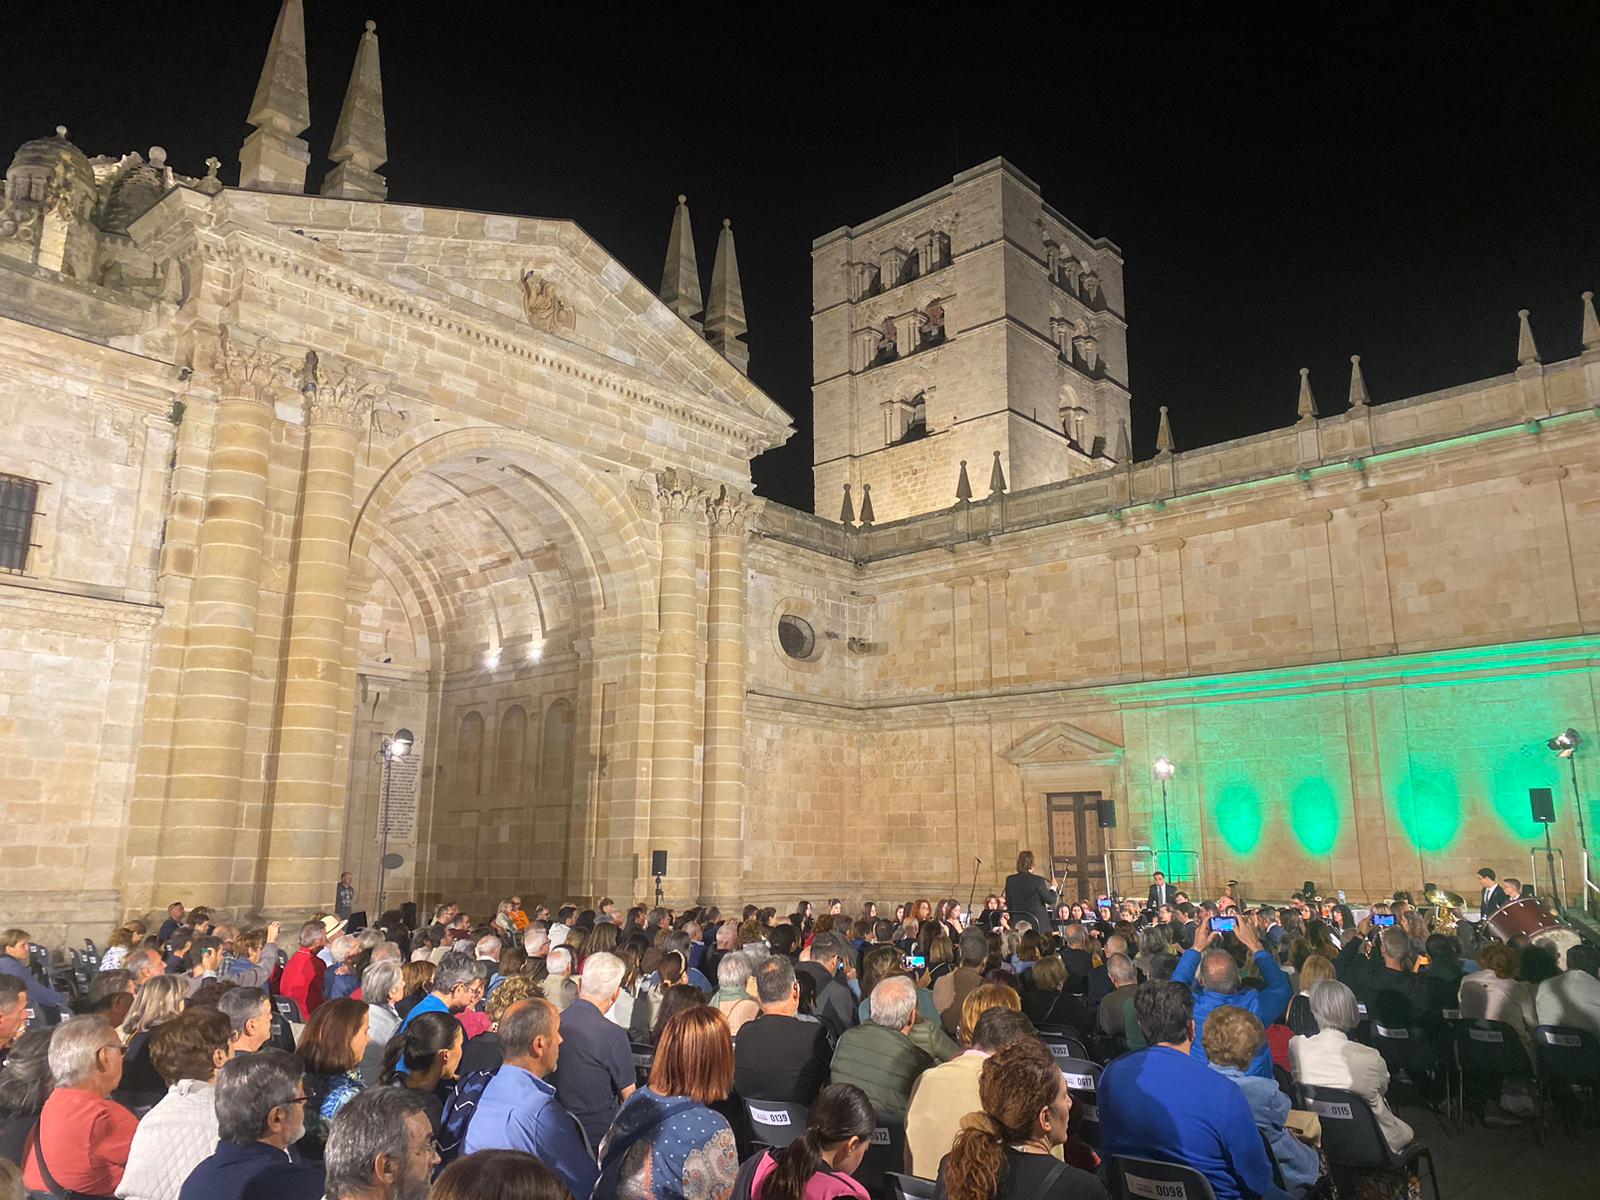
[497,583]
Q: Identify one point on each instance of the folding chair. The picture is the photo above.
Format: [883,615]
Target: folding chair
[1083,1083]
[775,1123]
[1130,1178]
[79,972]
[1064,1043]
[1414,1050]
[91,954]
[1490,1053]
[886,1154]
[911,1187]
[644,1057]
[1351,1136]
[1568,1058]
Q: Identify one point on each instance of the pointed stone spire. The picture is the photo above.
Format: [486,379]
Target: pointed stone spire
[360,145]
[1124,445]
[1358,384]
[1527,352]
[1164,433]
[1307,407]
[680,281]
[274,158]
[866,504]
[847,511]
[1591,326]
[725,311]
[963,485]
[997,476]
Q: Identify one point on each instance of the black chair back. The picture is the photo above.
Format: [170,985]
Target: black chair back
[1063,1044]
[1130,1178]
[1286,1085]
[1490,1052]
[1083,1084]
[1406,1048]
[91,953]
[1567,1055]
[1350,1134]
[885,1154]
[775,1123]
[911,1187]
[644,1057]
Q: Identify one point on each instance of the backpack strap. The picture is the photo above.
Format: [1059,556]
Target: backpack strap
[1049,1180]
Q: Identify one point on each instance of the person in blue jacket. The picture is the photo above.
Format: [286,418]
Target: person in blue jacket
[1214,975]
[14,962]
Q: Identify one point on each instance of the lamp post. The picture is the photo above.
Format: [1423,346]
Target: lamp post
[1566,745]
[1164,771]
[395,745]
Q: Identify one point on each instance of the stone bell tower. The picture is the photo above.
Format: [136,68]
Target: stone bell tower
[972,321]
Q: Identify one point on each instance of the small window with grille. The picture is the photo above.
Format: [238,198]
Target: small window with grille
[19,499]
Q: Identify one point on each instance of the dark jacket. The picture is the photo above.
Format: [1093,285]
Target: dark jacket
[1497,899]
[836,1007]
[1027,895]
[883,1063]
[1058,1008]
[253,1172]
[780,1058]
[1396,999]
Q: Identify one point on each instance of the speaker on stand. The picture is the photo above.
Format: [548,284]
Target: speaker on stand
[1542,803]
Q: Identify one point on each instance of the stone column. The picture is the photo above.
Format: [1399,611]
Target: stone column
[672,811]
[722,795]
[304,813]
[200,834]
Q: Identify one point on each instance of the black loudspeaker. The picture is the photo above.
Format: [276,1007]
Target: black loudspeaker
[1543,805]
[658,863]
[1108,814]
[408,913]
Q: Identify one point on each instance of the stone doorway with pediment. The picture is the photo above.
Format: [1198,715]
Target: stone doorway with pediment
[1066,772]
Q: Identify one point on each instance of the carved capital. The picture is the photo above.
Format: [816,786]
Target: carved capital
[338,393]
[1123,553]
[248,371]
[728,511]
[680,497]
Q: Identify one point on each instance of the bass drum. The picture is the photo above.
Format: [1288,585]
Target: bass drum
[1558,941]
[1524,915]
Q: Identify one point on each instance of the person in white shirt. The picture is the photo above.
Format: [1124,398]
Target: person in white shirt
[1331,1059]
[1573,997]
[180,1131]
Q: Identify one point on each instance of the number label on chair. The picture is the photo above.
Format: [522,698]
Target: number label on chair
[1562,1039]
[1078,1083]
[1451,1014]
[880,1137]
[1154,1189]
[1486,1035]
[1399,1035]
[769,1116]
[1060,1051]
[1335,1110]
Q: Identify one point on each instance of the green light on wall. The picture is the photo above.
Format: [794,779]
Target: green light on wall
[1429,803]
[1516,771]
[1239,817]
[1314,816]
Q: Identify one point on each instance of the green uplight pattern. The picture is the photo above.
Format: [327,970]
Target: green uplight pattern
[1429,803]
[1314,816]
[1239,816]
[1515,771]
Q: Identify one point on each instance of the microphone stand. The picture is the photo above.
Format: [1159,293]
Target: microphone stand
[973,894]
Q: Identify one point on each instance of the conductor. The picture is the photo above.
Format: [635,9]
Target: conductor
[1028,897]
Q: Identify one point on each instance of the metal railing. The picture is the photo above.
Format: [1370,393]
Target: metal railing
[1143,861]
[1538,870]
[1590,888]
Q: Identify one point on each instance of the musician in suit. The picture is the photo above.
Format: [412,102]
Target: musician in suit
[1494,896]
[1161,891]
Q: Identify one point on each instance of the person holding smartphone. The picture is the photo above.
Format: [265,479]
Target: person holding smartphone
[1214,976]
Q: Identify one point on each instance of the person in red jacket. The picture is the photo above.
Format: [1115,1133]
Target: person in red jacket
[302,975]
[82,1140]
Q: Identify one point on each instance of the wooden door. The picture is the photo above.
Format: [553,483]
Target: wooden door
[1077,844]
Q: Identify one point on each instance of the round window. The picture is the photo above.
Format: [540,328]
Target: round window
[796,637]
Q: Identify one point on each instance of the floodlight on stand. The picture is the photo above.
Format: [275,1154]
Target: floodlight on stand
[1566,744]
[400,743]
[1164,768]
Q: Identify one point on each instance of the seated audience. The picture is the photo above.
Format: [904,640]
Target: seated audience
[676,999]
[416,979]
[597,1073]
[735,997]
[14,1009]
[1006,1149]
[303,974]
[1124,979]
[342,977]
[778,1056]
[1383,977]
[1165,1104]
[249,1011]
[879,1057]
[1573,997]
[110,996]
[381,1148]
[1232,1037]
[950,989]
[382,987]
[256,958]
[519,1110]
[454,981]
[1048,1002]
[1214,975]
[667,1142]
[180,1132]
[82,1140]
[820,1165]
[1495,993]
[486,1051]
[944,1094]
[1332,1059]
[502,1174]
[24,1085]
[14,945]
[331,1048]
[880,963]
[159,1000]
[835,1004]
[259,1118]
[979,1001]
[424,1055]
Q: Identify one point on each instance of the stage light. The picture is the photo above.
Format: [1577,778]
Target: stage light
[400,743]
[1164,768]
[1566,744]
[492,659]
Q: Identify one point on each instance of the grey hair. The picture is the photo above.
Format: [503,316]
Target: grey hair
[756,952]
[734,969]
[74,1047]
[370,938]
[974,947]
[250,1086]
[893,1001]
[372,1123]
[1120,968]
[342,947]
[310,932]
[535,940]
[559,961]
[1334,1006]
[1219,973]
[775,980]
[1396,944]
[385,952]
[241,1005]
[454,970]
[602,976]
[489,946]
[378,980]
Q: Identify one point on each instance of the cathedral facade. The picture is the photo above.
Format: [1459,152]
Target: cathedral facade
[287,473]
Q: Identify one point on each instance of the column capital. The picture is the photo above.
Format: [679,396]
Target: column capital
[338,392]
[680,497]
[248,370]
[728,511]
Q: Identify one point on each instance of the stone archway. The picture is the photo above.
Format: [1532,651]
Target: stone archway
[496,579]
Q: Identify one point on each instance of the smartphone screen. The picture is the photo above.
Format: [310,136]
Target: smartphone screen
[916,960]
[1383,918]
[1223,924]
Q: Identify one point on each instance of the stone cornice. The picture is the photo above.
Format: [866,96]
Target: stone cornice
[109,372]
[86,613]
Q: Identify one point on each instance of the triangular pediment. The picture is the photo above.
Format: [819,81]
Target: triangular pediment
[1059,742]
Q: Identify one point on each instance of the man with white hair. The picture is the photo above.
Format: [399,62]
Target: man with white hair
[1124,979]
[879,1057]
[83,1137]
[488,949]
[559,987]
[537,940]
[596,1073]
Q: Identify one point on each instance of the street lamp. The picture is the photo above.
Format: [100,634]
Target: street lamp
[1164,770]
[394,746]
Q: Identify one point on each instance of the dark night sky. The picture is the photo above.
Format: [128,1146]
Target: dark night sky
[1288,186]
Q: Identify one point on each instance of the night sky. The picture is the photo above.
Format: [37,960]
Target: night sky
[1288,187]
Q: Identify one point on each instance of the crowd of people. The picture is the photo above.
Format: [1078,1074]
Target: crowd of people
[595,1052]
